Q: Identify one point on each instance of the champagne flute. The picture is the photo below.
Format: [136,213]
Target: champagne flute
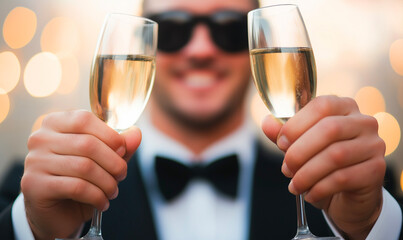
[284,72]
[122,77]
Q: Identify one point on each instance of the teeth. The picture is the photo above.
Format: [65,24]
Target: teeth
[199,80]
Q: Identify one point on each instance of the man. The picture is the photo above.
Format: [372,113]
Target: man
[332,152]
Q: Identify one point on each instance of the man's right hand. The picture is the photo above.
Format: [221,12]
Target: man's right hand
[74,164]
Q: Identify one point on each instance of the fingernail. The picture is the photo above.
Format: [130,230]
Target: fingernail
[291,188]
[115,194]
[105,207]
[286,171]
[308,197]
[121,151]
[283,143]
[121,177]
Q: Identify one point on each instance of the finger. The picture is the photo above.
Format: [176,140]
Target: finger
[312,113]
[132,139]
[79,190]
[88,146]
[55,188]
[350,180]
[271,127]
[326,132]
[77,167]
[84,122]
[336,157]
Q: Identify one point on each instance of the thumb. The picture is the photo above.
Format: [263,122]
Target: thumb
[132,138]
[271,127]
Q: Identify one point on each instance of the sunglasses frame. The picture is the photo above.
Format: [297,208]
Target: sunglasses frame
[228,29]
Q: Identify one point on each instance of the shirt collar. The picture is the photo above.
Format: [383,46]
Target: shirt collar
[155,142]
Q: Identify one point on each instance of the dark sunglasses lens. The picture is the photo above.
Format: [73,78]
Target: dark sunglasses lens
[173,36]
[174,30]
[230,32]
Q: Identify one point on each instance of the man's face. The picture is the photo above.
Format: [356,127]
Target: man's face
[200,82]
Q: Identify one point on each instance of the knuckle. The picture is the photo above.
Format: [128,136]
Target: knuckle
[34,160]
[330,127]
[351,103]
[49,118]
[380,166]
[381,145]
[300,183]
[315,194]
[29,159]
[293,160]
[338,155]
[35,139]
[369,122]
[323,104]
[111,188]
[83,166]
[80,119]
[119,168]
[26,182]
[78,188]
[98,199]
[341,178]
[85,144]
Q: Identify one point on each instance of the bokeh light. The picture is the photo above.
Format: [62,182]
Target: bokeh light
[38,123]
[19,27]
[4,105]
[60,36]
[401,181]
[42,74]
[70,75]
[10,71]
[370,100]
[396,56]
[389,131]
[258,109]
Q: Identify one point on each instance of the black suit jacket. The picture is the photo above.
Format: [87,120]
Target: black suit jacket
[273,214]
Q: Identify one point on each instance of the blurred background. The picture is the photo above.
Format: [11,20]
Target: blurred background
[46,49]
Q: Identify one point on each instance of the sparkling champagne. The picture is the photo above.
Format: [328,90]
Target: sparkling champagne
[120,88]
[285,78]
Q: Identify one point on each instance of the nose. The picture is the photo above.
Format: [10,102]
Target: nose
[201,44]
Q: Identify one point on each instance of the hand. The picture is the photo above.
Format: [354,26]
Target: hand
[75,162]
[333,154]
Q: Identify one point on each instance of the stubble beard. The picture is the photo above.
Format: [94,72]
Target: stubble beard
[203,124]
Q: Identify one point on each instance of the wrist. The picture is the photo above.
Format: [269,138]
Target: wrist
[358,228]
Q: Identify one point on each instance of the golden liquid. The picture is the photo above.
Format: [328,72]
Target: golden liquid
[120,87]
[285,78]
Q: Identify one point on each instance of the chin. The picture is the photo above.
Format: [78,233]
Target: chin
[202,120]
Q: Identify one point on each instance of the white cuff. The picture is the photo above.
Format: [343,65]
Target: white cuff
[387,225]
[22,231]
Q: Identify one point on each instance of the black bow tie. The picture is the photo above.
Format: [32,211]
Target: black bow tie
[173,176]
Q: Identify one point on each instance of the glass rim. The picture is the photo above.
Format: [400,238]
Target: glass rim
[273,5]
[146,20]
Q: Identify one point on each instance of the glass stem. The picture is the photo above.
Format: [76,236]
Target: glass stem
[302,223]
[95,229]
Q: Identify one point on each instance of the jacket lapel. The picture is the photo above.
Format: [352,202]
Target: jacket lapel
[273,208]
[131,210]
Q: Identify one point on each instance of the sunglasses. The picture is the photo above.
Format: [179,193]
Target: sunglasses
[228,29]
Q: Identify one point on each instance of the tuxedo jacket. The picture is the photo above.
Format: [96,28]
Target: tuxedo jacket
[273,208]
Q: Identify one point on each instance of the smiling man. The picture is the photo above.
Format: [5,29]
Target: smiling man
[200,172]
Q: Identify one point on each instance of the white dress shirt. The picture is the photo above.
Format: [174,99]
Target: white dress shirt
[200,212]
